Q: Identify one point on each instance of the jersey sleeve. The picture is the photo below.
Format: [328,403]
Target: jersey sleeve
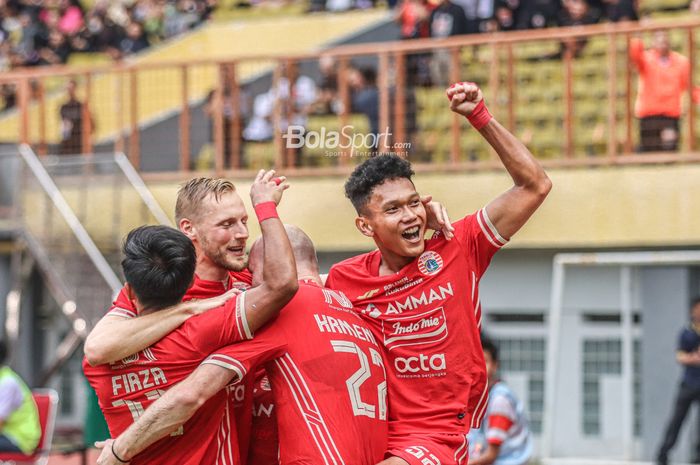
[501,418]
[244,357]
[245,277]
[219,327]
[122,306]
[480,239]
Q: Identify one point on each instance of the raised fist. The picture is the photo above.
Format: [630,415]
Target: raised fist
[464,97]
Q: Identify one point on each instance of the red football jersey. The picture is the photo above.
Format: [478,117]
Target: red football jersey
[126,388]
[200,289]
[238,431]
[330,386]
[264,440]
[427,317]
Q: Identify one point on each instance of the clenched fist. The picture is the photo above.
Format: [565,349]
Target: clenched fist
[464,97]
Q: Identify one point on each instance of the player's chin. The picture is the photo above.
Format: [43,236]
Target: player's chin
[237,262]
[412,249]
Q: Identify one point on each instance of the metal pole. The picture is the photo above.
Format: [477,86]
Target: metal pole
[552,361]
[627,361]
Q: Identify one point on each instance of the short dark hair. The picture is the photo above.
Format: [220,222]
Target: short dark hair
[694,302]
[488,345]
[3,351]
[372,173]
[158,264]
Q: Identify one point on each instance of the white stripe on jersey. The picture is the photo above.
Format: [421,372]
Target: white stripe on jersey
[309,411]
[118,311]
[242,318]
[492,228]
[461,453]
[228,363]
[480,407]
[487,232]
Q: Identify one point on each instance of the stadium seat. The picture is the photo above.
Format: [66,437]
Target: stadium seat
[47,403]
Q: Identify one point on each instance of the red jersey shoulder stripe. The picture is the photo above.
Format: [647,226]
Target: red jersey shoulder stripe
[228,363]
[243,328]
[489,229]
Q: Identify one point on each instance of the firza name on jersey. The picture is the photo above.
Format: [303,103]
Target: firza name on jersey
[138,380]
[412,302]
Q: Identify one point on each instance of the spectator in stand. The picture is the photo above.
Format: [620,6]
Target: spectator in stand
[576,13]
[535,14]
[135,40]
[327,99]
[663,78]
[19,419]
[414,18]
[71,114]
[446,20]
[504,16]
[365,96]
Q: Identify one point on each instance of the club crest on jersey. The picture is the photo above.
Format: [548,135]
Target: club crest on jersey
[429,263]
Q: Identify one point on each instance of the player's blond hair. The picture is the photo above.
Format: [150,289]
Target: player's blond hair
[195,191]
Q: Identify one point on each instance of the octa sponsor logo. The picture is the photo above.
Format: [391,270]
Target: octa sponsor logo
[421,363]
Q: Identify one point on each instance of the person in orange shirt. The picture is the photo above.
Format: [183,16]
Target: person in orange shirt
[663,77]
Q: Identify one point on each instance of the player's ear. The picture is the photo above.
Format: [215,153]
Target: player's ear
[363,226]
[187,228]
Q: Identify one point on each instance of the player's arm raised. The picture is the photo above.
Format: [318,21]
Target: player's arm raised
[115,337]
[511,210]
[279,285]
[166,414]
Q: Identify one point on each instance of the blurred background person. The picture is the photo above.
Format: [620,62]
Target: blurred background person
[663,78]
[504,437]
[19,419]
[688,355]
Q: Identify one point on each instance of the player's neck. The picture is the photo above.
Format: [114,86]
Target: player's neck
[308,274]
[209,271]
[392,263]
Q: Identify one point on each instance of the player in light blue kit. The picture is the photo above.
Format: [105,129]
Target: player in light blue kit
[504,437]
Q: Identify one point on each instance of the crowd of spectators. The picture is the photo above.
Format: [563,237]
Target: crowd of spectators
[47,32]
[443,18]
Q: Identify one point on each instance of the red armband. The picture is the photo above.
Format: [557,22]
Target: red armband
[265,211]
[480,117]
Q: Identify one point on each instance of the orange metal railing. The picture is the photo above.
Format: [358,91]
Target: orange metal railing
[179,116]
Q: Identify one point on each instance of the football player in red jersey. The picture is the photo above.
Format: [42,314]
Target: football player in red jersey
[329,387]
[159,265]
[211,213]
[420,297]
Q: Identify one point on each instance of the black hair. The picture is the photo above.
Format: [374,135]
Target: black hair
[694,302]
[3,351]
[372,173]
[158,264]
[369,75]
[489,346]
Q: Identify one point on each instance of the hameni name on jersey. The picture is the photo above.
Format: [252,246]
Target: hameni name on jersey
[412,302]
[138,380]
[329,324]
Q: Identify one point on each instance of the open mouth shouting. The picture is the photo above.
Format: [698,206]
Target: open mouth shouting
[412,235]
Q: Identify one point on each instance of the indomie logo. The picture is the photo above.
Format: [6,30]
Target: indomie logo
[425,328]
